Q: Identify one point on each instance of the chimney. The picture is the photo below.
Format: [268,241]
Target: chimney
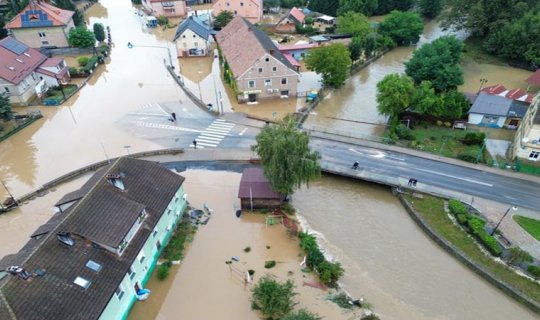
[271,52]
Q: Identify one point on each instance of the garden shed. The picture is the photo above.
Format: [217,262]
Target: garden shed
[255,191]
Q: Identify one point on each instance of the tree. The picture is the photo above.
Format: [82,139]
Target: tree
[403,27]
[386,6]
[430,8]
[223,19]
[395,94]
[332,61]
[425,100]
[6,113]
[437,62]
[99,32]
[366,7]
[267,4]
[518,40]
[355,48]
[455,103]
[3,31]
[292,3]
[353,23]
[328,7]
[274,299]
[285,156]
[78,18]
[81,37]
[301,314]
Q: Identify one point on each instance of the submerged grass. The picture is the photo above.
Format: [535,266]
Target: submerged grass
[431,209]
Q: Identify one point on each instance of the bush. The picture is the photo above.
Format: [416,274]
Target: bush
[468,156]
[462,219]
[342,300]
[269,264]
[274,299]
[90,65]
[456,207]
[474,138]
[162,20]
[301,314]
[404,132]
[163,271]
[329,272]
[247,249]
[287,207]
[99,32]
[83,61]
[534,271]
[73,71]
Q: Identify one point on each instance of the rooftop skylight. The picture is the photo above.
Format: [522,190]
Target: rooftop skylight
[82,282]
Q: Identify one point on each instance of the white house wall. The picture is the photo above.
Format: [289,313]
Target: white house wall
[191,40]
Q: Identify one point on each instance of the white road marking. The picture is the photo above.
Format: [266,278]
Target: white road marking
[214,133]
[163,126]
[242,132]
[455,177]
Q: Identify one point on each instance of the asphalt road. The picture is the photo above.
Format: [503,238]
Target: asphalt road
[381,163]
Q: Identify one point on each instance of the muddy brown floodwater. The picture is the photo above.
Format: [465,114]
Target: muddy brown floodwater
[352,109]
[391,262]
[203,287]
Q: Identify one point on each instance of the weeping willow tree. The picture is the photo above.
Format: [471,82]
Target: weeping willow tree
[286,158]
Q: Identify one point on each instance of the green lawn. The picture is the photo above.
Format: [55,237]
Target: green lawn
[532,226]
[432,210]
[444,141]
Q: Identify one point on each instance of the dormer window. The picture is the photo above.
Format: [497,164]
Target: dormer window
[116,180]
[33,17]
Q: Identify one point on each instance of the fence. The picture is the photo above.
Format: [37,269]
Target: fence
[67,51]
[26,120]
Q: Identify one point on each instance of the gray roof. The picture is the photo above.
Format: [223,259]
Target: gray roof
[54,295]
[491,105]
[194,24]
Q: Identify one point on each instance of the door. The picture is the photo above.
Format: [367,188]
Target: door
[252,97]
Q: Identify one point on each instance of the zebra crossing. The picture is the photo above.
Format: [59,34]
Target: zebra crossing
[213,134]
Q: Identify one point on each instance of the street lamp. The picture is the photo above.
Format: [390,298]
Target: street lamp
[131,45]
[483,81]
[514,208]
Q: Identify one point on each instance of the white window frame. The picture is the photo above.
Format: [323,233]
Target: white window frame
[267,82]
[251,83]
[534,155]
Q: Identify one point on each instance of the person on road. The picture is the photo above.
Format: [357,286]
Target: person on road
[355,165]
[173,115]
[194,144]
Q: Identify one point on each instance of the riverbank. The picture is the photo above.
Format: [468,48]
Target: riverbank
[204,287]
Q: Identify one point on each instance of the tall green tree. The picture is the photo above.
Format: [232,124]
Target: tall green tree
[386,6]
[3,31]
[223,19]
[395,94]
[99,32]
[430,8]
[332,62]
[353,23]
[355,48]
[274,299]
[78,18]
[286,158]
[328,7]
[403,27]
[426,101]
[81,37]
[366,7]
[292,3]
[6,113]
[437,62]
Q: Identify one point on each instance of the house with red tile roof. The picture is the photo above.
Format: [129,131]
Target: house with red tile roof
[262,72]
[42,25]
[25,72]
[169,8]
[290,20]
[252,10]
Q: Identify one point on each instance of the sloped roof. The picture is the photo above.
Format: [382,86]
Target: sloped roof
[255,185]
[54,295]
[297,15]
[17,60]
[534,79]
[40,14]
[491,105]
[194,24]
[495,89]
[239,35]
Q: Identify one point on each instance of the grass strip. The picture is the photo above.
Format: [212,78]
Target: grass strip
[532,226]
[431,209]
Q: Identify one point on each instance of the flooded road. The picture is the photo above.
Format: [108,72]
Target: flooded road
[352,109]
[390,261]
[85,130]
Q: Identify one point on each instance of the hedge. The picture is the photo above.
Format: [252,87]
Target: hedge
[329,272]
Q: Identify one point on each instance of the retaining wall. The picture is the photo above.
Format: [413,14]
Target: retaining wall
[478,269]
[190,94]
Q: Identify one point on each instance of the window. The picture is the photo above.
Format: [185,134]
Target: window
[267,59]
[251,84]
[42,34]
[274,69]
[283,80]
[534,155]
[194,36]
[184,36]
[228,4]
[141,257]
[285,93]
[119,292]
[241,4]
[267,82]
[131,273]
[260,70]
[235,12]
[92,265]
[80,281]
[154,234]
[45,43]
[185,44]
[196,44]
